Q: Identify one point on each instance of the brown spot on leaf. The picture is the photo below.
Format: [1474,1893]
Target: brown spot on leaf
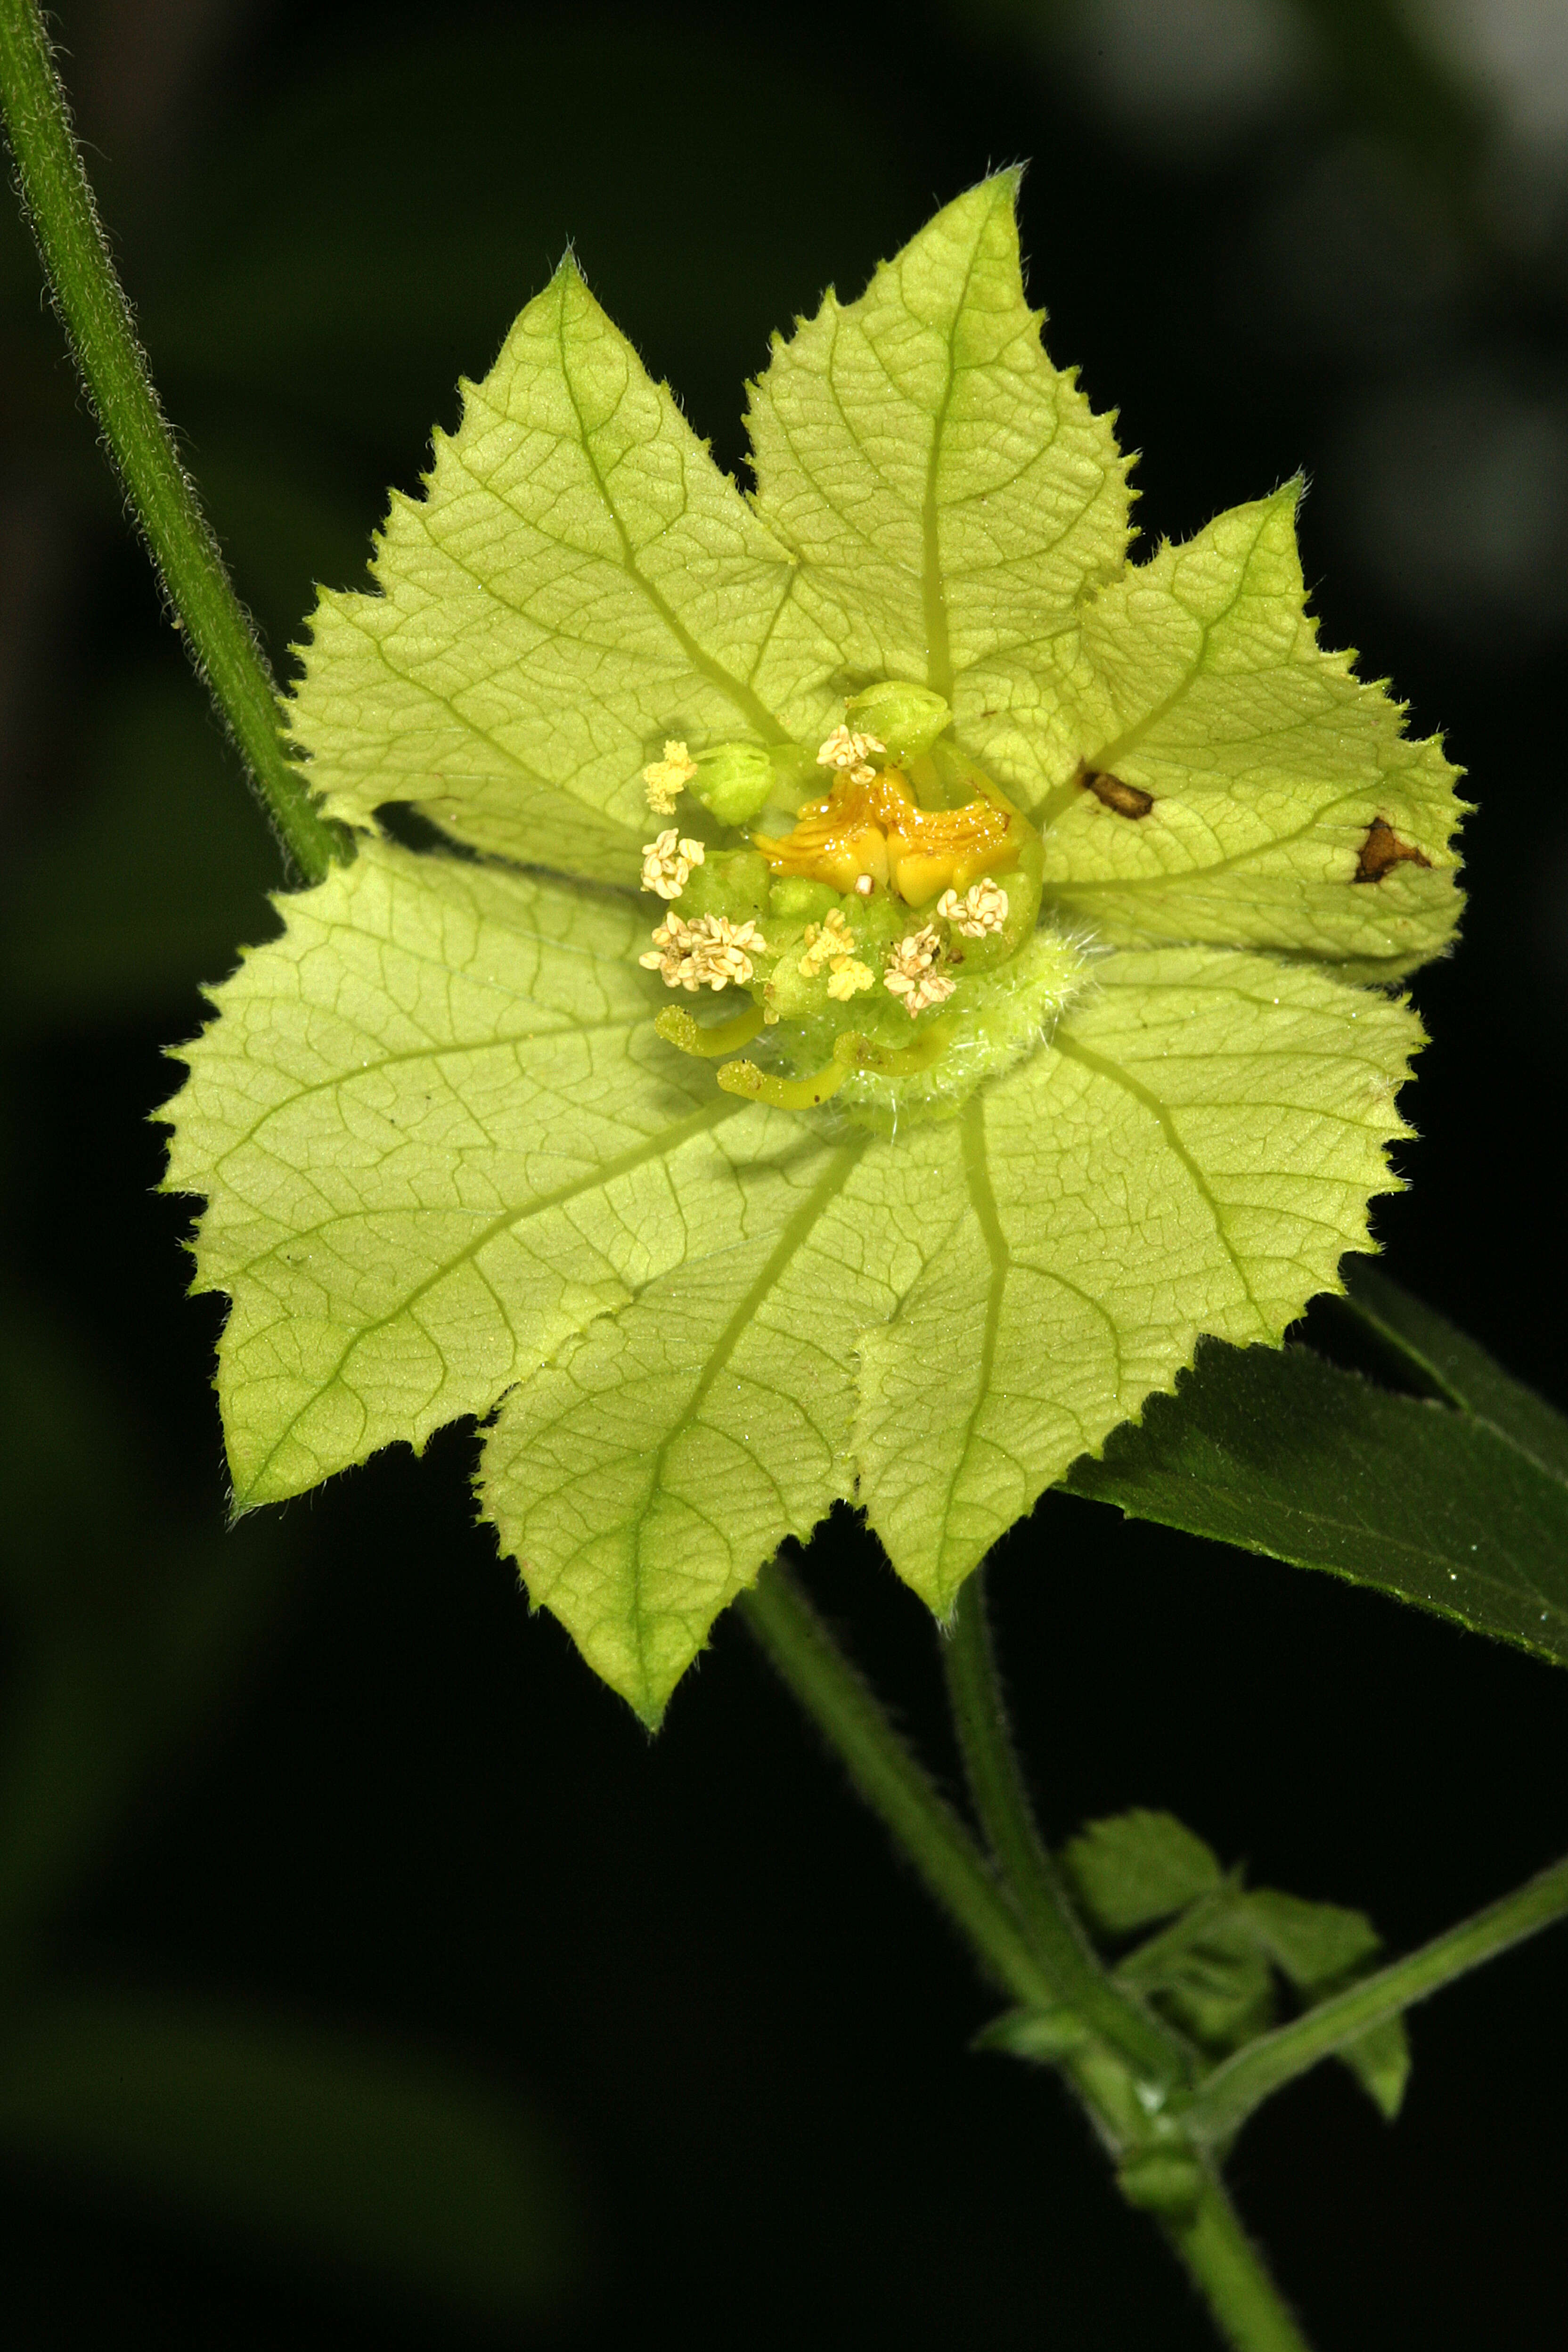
[1383,848]
[1127,800]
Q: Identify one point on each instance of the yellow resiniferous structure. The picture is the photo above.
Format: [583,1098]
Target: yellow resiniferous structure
[877,828]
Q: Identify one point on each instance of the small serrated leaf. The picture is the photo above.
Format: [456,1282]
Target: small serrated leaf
[1211,1969]
[1314,1944]
[1216,1983]
[1133,1868]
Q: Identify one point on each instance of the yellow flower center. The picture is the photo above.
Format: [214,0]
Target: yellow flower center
[877,829]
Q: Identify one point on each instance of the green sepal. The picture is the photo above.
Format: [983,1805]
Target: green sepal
[905,718]
[1165,2181]
[1043,2036]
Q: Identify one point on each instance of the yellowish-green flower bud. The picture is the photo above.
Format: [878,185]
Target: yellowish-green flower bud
[735,781]
[906,718]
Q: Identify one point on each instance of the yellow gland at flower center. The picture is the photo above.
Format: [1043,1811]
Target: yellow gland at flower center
[870,829]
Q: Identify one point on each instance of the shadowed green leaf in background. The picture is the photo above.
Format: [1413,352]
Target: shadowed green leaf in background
[106,917]
[127,1625]
[375,2158]
[127,1619]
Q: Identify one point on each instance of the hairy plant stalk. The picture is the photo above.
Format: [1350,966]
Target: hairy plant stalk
[1001,1801]
[1229,2272]
[95,313]
[892,1783]
[1202,2229]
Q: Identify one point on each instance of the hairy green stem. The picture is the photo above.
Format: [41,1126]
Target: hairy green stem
[891,1783]
[97,318]
[1230,2094]
[1229,2273]
[1002,1803]
[1207,2236]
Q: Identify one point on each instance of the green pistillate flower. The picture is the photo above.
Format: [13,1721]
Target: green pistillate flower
[734,781]
[919,972]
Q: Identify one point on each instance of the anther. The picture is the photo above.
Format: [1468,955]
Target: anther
[848,978]
[825,942]
[981,909]
[832,943]
[847,751]
[712,953]
[667,862]
[907,972]
[664,778]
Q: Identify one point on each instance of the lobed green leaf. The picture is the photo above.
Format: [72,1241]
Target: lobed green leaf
[1134,1868]
[948,493]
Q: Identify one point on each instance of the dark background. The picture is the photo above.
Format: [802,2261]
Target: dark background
[325,1777]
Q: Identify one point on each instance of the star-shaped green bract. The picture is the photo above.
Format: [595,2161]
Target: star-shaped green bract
[451,1169]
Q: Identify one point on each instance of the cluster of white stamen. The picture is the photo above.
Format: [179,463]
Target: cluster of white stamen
[849,751]
[664,778]
[710,952]
[981,909]
[667,862]
[832,944]
[907,972]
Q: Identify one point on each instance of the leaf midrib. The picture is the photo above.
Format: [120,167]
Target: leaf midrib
[828,1188]
[745,701]
[1359,1531]
[933,592]
[1064,1044]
